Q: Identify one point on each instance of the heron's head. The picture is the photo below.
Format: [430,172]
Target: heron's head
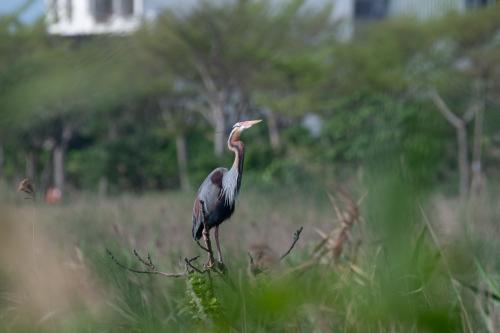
[238,128]
[243,125]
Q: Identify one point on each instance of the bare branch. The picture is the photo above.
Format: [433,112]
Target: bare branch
[360,200]
[335,207]
[461,129]
[443,108]
[189,264]
[150,267]
[251,258]
[206,115]
[334,241]
[471,112]
[208,82]
[201,246]
[146,262]
[321,233]
[296,237]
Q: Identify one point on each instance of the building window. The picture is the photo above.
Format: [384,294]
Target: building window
[479,3]
[53,11]
[102,10]
[69,9]
[370,9]
[127,8]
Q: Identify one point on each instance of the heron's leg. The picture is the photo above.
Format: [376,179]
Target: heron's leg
[219,253]
[206,238]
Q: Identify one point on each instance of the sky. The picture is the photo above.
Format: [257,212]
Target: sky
[29,15]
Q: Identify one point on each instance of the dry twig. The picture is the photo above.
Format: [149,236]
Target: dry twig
[151,268]
[296,236]
[265,258]
[334,242]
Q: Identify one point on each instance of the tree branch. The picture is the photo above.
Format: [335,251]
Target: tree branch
[148,263]
[150,267]
[443,108]
[202,247]
[471,112]
[208,118]
[194,268]
[296,237]
[208,82]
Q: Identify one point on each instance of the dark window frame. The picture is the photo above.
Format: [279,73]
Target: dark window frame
[127,8]
[102,10]
[370,9]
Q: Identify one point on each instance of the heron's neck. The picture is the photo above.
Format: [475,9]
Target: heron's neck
[236,145]
[232,179]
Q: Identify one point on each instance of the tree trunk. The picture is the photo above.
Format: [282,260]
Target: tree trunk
[2,160]
[274,135]
[59,154]
[102,187]
[46,175]
[182,161]
[30,166]
[476,167]
[220,126]
[460,126]
[58,163]
[463,161]
[217,99]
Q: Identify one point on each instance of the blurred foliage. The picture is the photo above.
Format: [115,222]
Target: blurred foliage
[125,100]
[119,106]
[400,279]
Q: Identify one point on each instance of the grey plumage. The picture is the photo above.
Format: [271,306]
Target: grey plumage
[230,186]
[217,194]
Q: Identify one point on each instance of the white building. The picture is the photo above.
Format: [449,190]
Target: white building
[88,17]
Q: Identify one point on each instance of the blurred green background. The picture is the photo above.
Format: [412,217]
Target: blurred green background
[151,110]
[393,101]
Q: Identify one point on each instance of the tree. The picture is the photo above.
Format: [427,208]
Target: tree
[445,64]
[178,114]
[466,49]
[56,86]
[225,49]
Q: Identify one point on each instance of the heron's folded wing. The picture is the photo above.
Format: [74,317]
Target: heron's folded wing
[206,201]
[210,189]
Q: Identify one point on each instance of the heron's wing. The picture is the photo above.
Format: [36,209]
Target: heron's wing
[210,189]
[206,200]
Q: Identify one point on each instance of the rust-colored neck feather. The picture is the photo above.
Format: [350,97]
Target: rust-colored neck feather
[236,145]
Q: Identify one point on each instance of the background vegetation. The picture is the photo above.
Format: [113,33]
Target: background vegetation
[404,115]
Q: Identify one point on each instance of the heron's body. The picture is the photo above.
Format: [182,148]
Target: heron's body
[217,194]
[215,208]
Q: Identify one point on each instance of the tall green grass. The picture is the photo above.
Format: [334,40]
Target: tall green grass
[417,260]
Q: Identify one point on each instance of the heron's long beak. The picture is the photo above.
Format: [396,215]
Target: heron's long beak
[250,123]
